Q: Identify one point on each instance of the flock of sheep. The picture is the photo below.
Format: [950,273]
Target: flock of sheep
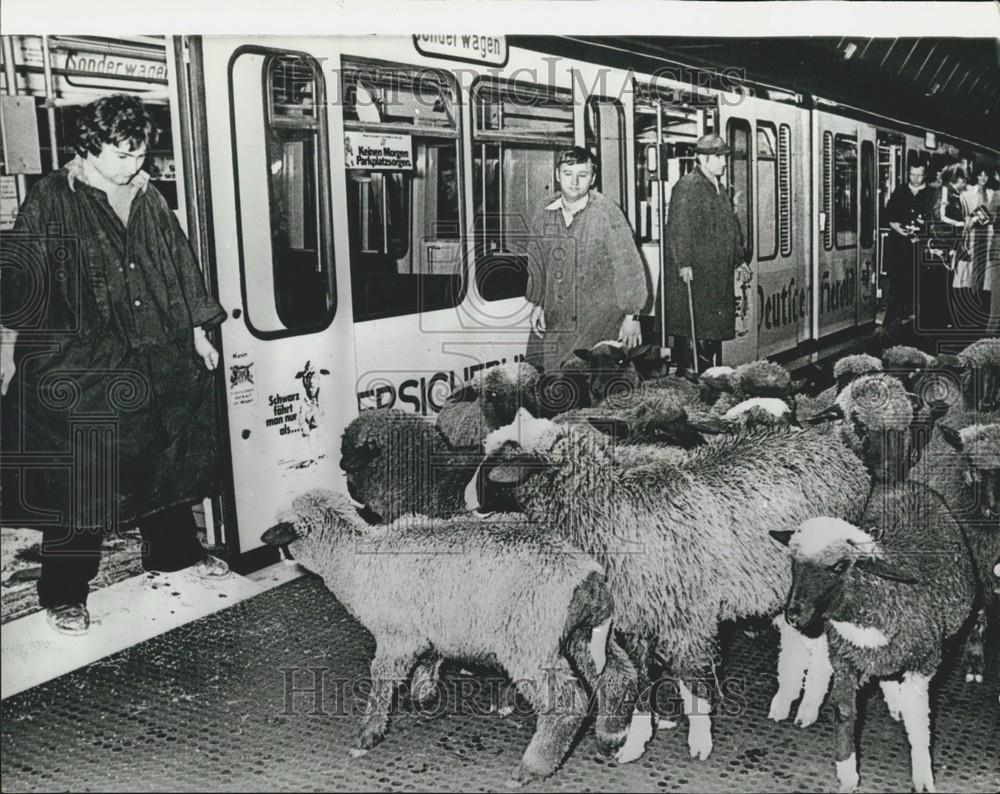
[576,528]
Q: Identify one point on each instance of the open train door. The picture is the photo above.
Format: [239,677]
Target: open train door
[262,130]
[844,295]
[767,180]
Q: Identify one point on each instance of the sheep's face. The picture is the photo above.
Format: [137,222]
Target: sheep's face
[310,512]
[979,450]
[713,382]
[761,379]
[761,412]
[494,488]
[500,390]
[878,416]
[816,592]
[610,371]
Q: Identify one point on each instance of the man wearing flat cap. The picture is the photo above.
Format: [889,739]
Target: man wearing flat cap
[704,246]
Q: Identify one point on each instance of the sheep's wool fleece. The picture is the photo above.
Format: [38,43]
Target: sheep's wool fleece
[918,534]
[686,545]
[493,591]
[905,357]
[857,364]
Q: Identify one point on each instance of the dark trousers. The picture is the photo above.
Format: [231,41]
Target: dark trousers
[71,558]
[709,353]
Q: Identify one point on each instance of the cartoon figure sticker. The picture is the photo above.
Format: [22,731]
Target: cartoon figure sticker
[242,389]
[310,413]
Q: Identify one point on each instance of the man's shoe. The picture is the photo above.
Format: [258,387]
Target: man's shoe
[211,568]
[71,619]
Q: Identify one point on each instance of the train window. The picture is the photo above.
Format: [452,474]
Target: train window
[286,247]
[740,179]
[767,191]
[868,191]
[845,191]
[520,128]
[401,140]
[828,190]
[785,189]
[605,136]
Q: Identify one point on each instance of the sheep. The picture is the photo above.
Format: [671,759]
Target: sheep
[610,371]
[885,599]
[845,370]
[701,525]
[418,586]
[980,382]
[488,400]
[397,462]
[760,378]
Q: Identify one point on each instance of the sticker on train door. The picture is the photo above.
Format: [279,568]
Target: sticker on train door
[310,411]
[242,389]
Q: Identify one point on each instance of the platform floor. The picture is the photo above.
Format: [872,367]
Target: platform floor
[204,707]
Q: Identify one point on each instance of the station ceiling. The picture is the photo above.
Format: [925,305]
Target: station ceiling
[951,85]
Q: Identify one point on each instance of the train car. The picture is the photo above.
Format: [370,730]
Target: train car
[359,205]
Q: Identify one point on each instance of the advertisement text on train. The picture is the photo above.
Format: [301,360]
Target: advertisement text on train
[375,152]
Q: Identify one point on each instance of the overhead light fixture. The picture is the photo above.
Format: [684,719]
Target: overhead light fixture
[849,51]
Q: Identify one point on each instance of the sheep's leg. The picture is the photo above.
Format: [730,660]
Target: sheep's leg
[844,698]
[793,662]
[562,709]
[424,681]
[640,726]
[615,688]
[699,714]
[818,676]
[386,671]
[892,695]
[915,707]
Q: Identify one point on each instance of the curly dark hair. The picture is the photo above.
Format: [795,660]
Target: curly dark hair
[115,119]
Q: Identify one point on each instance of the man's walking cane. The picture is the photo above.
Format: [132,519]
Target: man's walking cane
[694,335]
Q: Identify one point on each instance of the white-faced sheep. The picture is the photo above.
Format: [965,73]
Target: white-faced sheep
[488,400]
[697,528]
[886,599]
[398,463]
[418,586]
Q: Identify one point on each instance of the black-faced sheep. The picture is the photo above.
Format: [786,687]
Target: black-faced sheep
[697,529]
[398,463]
[886,599]
[610,372]
[980,383]
[418,586]
[488,400]
[845,370]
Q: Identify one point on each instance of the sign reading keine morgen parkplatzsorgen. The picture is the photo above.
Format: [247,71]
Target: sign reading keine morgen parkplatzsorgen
[471,47]
[377,152]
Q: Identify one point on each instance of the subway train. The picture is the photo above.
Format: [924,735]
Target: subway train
[356,204]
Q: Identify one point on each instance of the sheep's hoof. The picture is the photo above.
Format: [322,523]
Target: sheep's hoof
[700,741]
[806,715]
[665,725]
[505,711]
[640,731]
[512,782]
[780,709]
[847,774]
[357,752]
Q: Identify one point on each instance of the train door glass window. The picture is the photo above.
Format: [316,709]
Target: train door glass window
[785,189]
[286,247]
[401,140]
[767,191]
[520,128]
[845,191]
[605,137]
[828,190]
[667,124]
[740,179]
[868,191]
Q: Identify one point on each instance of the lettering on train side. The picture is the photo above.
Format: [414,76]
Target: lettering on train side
[837,294]
[421,393]
[781,307]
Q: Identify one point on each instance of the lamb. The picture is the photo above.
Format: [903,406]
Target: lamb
[885,607]
[417,586]
[398,462]
[488,400]
[688,518]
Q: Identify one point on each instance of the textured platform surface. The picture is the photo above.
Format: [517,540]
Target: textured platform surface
[205,707]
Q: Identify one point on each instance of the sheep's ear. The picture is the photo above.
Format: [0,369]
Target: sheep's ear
[361,456]
[719,382]
[953,437]
[884,570]
[584,354]
[465,394]
[515,471]
[799,386]
[280,534]
[688,375]
[324,372]
[711,426]
[639,352]
[783,536]
[833,413]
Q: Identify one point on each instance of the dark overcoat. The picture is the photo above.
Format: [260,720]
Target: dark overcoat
[587,277]
[110,415]
[702,233]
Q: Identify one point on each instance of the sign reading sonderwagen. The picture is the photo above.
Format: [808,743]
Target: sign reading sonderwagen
[471,47]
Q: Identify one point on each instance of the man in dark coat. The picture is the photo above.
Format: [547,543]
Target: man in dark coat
[112,406]
[704,247]
[586,280]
